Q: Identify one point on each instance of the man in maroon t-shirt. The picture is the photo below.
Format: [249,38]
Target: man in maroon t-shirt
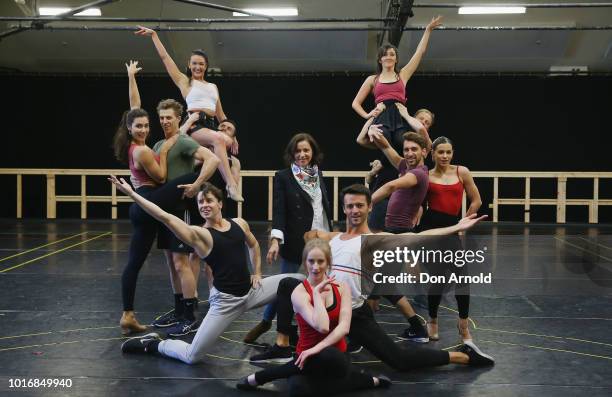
[409,190]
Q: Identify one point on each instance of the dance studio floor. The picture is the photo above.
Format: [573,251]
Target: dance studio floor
[60,304]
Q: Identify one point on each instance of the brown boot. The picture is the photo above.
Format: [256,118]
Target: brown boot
[129,324]
[256,332]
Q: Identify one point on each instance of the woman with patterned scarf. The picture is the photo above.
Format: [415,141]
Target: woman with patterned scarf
[301,204]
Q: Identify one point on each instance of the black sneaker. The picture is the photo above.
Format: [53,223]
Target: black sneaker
[138,345]
[166,320]
[415,335]
[185,327]
[274,354]
[243,384]
[353,347]
[477,357]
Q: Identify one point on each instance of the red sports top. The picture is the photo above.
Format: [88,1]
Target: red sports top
[139,177]
[309,337]
[445,198]
[389,91]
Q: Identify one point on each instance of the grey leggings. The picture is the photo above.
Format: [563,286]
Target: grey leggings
[224,309]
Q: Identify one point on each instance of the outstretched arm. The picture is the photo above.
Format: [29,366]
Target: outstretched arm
[464,224]
[327,236]
[179,78]
[132,69]
[404,182]
[197,237]
[407,71]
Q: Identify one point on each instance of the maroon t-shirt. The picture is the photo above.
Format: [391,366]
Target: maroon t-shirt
[404,203]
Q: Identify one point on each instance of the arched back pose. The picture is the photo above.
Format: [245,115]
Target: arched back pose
[447,183]
[323,313]
[221,243]
[203,97]
[301,203]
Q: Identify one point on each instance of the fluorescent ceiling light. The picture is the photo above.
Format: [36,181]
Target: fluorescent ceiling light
[89,12]
[492,10]
[272,12]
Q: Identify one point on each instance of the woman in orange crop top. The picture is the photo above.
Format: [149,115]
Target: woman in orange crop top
[203,98]
[447,183]
[323,312]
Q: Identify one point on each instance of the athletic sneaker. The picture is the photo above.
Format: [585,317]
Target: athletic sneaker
[477,357]
[138,345]
[185,327]
[274,354]
[353,347]
[384,382]
[415,335]
[243,384]
[166,320]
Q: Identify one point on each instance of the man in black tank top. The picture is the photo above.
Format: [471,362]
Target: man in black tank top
[234,289]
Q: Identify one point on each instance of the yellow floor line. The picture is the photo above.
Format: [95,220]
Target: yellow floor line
[41,246]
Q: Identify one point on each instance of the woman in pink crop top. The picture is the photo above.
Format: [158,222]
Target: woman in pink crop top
[447,183]
[389,87]
[203,98]
[323,312]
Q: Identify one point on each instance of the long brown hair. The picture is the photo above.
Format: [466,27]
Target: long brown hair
[122,138]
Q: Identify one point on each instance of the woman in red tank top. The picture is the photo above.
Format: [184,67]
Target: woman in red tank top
[447,183]
[323,312]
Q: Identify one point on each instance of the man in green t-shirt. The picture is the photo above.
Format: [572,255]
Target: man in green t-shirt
[183,271]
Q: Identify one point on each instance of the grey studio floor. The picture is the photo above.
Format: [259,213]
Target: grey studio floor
[60,304]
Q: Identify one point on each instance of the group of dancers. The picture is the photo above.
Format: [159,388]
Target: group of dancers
[184,210]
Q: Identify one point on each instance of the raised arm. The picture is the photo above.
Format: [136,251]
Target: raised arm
[341,330]
[471,190]
[254,252]
[195,236]
[404,182]
[179,78]
[132,69]
[407,71]
[415,124]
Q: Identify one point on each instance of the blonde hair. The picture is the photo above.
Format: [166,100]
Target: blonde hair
[320,244]
[433,116]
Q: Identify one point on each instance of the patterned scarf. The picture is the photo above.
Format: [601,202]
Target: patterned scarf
[308,179]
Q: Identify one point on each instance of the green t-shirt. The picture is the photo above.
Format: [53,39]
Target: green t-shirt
[180,157]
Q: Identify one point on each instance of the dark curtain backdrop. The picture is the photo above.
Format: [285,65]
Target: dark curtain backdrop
[496,123]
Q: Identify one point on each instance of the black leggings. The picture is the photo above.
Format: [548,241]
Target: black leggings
[326,373]
[431,220]
[366,332]
[145,227]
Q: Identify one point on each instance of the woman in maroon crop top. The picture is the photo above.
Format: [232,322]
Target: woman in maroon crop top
[447,183]
[323,312]
[389,87]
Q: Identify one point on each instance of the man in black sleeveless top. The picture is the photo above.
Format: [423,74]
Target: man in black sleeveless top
[234,291]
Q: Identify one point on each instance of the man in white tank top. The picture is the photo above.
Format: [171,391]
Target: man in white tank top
[346,267]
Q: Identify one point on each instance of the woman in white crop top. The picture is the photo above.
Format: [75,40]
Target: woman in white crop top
[202,97]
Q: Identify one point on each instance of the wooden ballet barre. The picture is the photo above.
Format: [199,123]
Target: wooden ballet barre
[560,201]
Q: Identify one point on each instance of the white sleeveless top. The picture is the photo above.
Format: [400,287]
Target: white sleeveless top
[202,96]
[346,266]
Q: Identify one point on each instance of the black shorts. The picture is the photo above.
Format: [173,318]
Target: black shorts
[188,212]
[393,125]
[204,122]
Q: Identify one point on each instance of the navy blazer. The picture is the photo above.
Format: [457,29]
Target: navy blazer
[293,213]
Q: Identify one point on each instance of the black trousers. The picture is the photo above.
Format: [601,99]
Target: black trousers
[167,197]
[366,332]
[326,373]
